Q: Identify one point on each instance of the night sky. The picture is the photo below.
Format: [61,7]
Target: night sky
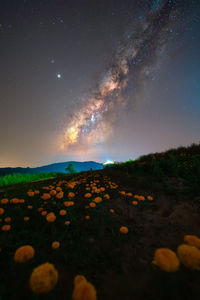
[97,80]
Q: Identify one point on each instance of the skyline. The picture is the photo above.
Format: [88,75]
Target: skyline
[97,80]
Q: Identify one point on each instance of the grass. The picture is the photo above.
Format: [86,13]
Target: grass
[19,178]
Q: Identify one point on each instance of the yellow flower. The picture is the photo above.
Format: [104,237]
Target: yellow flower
[43,278]
[55,245]
[166,260]
[83,290]
[24,253]
[50,217]
[124,229]
[5,227]
[189,256]
[192,240]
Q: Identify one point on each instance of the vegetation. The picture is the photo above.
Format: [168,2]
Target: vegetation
[128,231]
[71,169]
[181,165]
[18,178]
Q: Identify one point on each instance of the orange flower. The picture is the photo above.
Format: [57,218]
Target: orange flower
[124,229]
[26,219]
[14,200]
[88,195]
[44,213]
[87,217]
[21,201]
[97,199]
[192,240]
[129,194]
[102,189]
[24,253]
[67,222]
[166,260]
[50,217]
[92,204]
[29,206]
[62,212]
[106,196]
[87,188]
[150,198]
[68,203]
[4,201]
[58,189]
[7,220]
[83,290]
[40,209]
[30,194]
[5,227]
[189,256]
[111,211]
[60,195]
[2,211]
[86,206]
[71,195]
[123,193]
[53,192]
[55,245]
[46,196]
[141,198]
[36,192]
[43,278]
[134,202]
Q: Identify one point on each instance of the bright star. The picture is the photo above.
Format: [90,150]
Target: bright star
[58,76]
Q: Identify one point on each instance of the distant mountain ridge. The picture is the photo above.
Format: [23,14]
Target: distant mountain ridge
[56,167]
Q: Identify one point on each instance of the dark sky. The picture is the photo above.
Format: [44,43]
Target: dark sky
[97,80]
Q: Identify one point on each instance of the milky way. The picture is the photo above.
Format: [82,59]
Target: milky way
[133,63]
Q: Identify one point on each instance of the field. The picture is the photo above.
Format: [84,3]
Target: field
[19,178]
[88,211]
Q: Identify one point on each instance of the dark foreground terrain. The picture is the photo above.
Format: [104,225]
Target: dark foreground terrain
[118,265]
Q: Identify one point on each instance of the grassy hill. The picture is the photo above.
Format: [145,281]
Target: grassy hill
[157,202]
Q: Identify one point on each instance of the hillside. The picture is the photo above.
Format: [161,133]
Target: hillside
[56,167]
[89,210]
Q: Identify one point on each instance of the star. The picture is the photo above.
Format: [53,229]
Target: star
[58,76]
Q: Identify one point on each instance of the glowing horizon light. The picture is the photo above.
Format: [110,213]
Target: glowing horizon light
[109,162]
